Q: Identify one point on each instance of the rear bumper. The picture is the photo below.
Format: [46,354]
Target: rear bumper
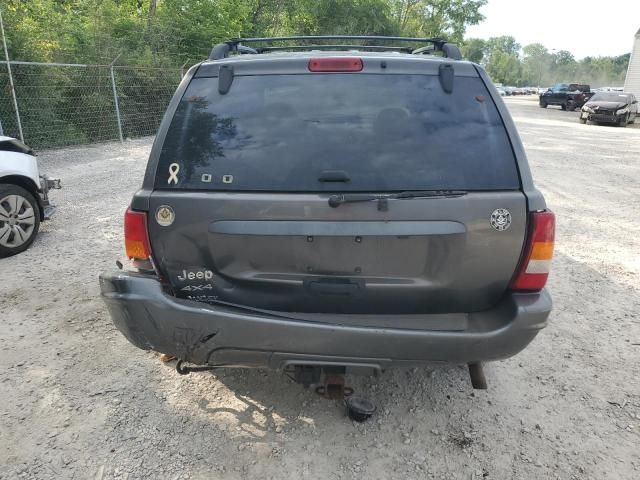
[220,335]
[47,183]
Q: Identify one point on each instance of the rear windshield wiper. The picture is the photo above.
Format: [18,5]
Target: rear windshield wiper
[336,200]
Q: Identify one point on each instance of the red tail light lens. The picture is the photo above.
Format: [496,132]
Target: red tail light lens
[335,64]
[136,236]
[535,264]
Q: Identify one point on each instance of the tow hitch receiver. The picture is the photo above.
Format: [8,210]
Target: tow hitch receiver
[333,387]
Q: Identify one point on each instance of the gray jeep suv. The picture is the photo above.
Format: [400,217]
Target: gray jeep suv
[335,205]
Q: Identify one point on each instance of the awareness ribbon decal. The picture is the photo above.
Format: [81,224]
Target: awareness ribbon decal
[174,168]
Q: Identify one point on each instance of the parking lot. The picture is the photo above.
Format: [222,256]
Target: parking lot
[78,401]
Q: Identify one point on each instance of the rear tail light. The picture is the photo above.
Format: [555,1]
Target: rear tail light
[136,236]
[335,64]
[535,264]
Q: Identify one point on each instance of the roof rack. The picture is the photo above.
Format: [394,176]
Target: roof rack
[238,45]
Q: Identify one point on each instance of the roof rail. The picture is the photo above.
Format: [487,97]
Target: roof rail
[238,45]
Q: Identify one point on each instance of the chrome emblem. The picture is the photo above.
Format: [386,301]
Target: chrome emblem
[500,219]
[165,215]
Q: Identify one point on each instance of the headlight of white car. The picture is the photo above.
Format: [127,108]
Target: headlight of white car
[587,109]
[622,111]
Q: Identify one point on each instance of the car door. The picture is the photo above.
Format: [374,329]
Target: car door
[557,94]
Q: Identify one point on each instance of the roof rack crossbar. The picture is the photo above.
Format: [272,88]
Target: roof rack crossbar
[222,50]
[245,49]
[426,49]
[332,47]
[381,38]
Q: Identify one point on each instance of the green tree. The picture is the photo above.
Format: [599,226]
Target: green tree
[436,18]
[473,49]
[535,64]
[501,60]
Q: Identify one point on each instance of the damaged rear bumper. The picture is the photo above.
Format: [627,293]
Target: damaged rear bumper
[228,336]
[47,183]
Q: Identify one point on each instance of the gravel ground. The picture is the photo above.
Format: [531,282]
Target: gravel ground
[78,401]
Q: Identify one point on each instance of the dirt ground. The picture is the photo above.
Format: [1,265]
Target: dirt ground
[78,401]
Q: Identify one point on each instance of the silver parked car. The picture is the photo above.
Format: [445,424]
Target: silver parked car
[312,210]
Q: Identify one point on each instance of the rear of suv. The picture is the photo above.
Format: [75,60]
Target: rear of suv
[348,208]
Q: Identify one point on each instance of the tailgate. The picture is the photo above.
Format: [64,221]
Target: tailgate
[295,253]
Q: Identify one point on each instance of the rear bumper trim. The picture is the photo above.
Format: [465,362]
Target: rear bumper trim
[220,335]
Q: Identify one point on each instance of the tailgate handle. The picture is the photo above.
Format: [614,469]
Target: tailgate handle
[333,287]
[334,176]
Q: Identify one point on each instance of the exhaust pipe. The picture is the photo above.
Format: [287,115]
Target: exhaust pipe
[476,373]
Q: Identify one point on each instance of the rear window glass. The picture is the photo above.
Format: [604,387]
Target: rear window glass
[386,132]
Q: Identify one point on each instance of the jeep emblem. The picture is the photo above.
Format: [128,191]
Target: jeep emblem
[165,215]
[500,219]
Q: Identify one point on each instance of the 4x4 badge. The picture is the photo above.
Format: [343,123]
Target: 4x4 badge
[165,215]
[500,219]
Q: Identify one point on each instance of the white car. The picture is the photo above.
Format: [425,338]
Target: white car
[24,196]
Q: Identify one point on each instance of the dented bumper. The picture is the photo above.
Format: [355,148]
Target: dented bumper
[228,336]
[47,183]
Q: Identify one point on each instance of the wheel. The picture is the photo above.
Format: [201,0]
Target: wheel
[563,106]
[570,106]
[543,104]
[19,219]
[582,120]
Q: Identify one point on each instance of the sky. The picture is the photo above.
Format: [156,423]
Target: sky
[585,28]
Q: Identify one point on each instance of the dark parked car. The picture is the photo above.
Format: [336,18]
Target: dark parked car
[309,210]
[568,95]
[610,107]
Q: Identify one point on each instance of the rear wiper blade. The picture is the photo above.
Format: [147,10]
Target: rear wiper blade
[338,199]
[429,193]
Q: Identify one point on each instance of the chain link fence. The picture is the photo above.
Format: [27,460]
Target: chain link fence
[73,104]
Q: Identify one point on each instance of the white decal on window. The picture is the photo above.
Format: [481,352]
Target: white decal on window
[174,168]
